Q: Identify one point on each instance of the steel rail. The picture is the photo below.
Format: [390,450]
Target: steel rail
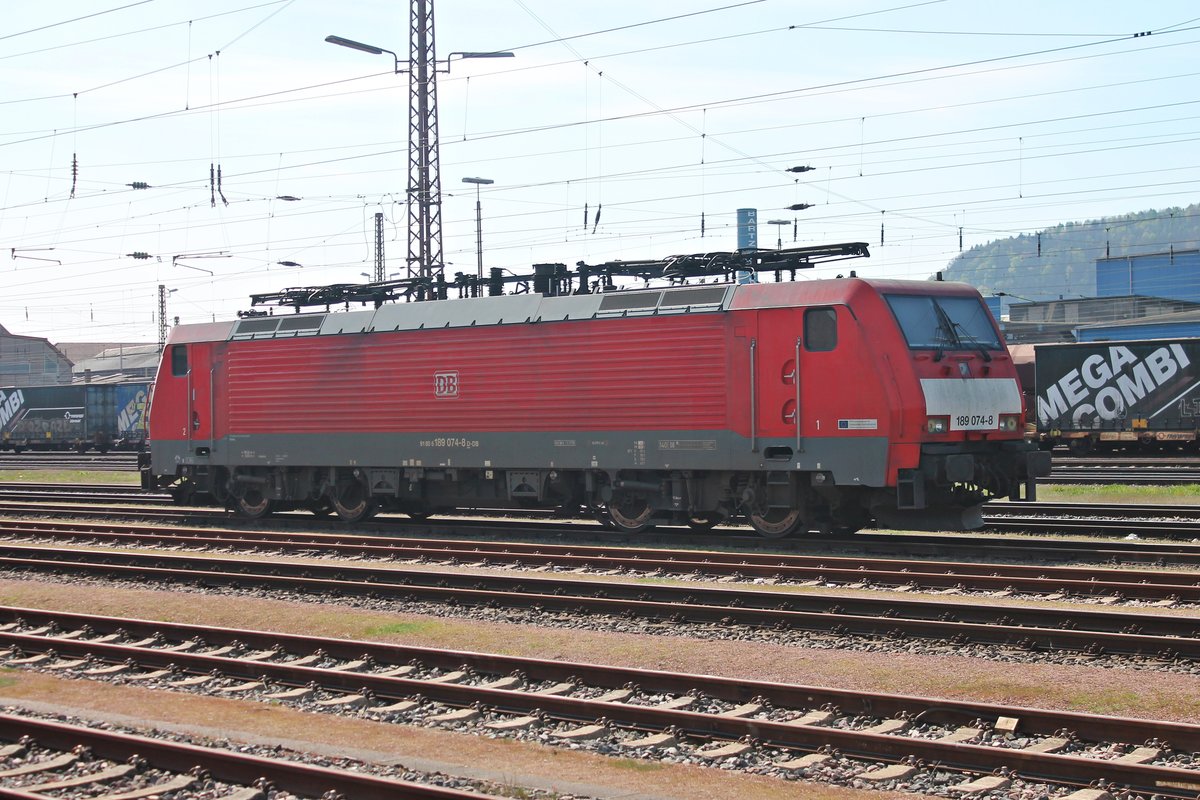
[910,574]
[305,780]
[1019,517]
[1100,510]
[993,509]
[1157,529]
[891,542]
[995,548]
[860,743]
[1014,626]
[1138,476]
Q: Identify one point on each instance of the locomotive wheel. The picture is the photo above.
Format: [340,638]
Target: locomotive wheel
[777,522]
[352,503]
[253,504]
[630,513]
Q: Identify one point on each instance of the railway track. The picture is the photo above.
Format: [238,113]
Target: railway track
[118,462]
[994,513]
[984,548]
[1161,639]
[50,758]
[1125,476]
[1090,582]
[787,730]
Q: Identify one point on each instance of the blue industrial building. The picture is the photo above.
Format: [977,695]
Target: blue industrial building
[1174,275]
[1178,326]
[1150,296]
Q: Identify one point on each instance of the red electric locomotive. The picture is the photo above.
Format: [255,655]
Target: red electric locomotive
[812,405]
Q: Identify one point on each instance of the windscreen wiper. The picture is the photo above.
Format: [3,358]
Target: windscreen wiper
[978,345]
[945,330]
[955,328]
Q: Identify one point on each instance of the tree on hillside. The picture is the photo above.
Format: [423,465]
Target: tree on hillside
[1066,266]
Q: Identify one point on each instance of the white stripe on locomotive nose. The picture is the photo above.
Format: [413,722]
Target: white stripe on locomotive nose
[975,396]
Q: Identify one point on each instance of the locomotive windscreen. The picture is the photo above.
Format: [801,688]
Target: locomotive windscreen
[944,322]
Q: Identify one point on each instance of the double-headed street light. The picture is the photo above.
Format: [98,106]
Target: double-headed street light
[378,51]
[478,222]
[424,174]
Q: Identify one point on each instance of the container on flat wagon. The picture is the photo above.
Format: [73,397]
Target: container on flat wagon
[1099,393]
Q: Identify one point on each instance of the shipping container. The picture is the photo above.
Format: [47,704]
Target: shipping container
[1134,394]
[75,417]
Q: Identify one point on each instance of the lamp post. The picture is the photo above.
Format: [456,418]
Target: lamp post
[424,176]
[779,223]
[478,222]
[163,294]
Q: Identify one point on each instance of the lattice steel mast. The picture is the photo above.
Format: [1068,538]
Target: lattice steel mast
[426,270]
[424,172]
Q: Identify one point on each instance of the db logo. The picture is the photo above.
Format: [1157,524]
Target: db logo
[445,384]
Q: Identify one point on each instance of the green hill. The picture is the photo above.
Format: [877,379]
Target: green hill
[1066,263]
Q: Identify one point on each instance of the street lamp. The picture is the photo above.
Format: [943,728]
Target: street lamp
[163,294]
[779,223]
[478,222]
[378,51]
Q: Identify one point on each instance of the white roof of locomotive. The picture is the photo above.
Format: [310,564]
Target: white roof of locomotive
[466,313]
[515,309]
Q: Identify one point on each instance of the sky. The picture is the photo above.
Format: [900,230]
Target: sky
[929,126]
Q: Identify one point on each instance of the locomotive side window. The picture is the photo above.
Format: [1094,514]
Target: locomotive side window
[820,329]
[179,360]
[944,322]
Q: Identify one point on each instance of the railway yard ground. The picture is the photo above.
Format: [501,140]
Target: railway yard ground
[473,675]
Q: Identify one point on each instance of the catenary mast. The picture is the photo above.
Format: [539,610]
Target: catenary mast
[424,173]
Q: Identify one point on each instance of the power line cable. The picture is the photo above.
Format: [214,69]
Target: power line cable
[75,19]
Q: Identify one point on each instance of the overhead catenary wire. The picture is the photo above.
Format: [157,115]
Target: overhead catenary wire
[612,176]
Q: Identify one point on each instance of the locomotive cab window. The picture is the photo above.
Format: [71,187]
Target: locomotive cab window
[820,329]
[944,323]
[179,360]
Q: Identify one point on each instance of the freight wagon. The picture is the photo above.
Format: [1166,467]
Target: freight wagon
[76,417]
[1128,395]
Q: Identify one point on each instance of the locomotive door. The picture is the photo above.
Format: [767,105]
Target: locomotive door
[199,397]
[804,385]
[777,384]
[824,374]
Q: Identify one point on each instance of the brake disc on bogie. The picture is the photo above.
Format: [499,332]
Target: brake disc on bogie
[352,502]
[776,523]
[630,513]
[252,504]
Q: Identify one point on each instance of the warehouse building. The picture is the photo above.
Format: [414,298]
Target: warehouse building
[31,361]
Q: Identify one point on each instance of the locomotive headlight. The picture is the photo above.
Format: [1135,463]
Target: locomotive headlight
[937,424]
[1010,422]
